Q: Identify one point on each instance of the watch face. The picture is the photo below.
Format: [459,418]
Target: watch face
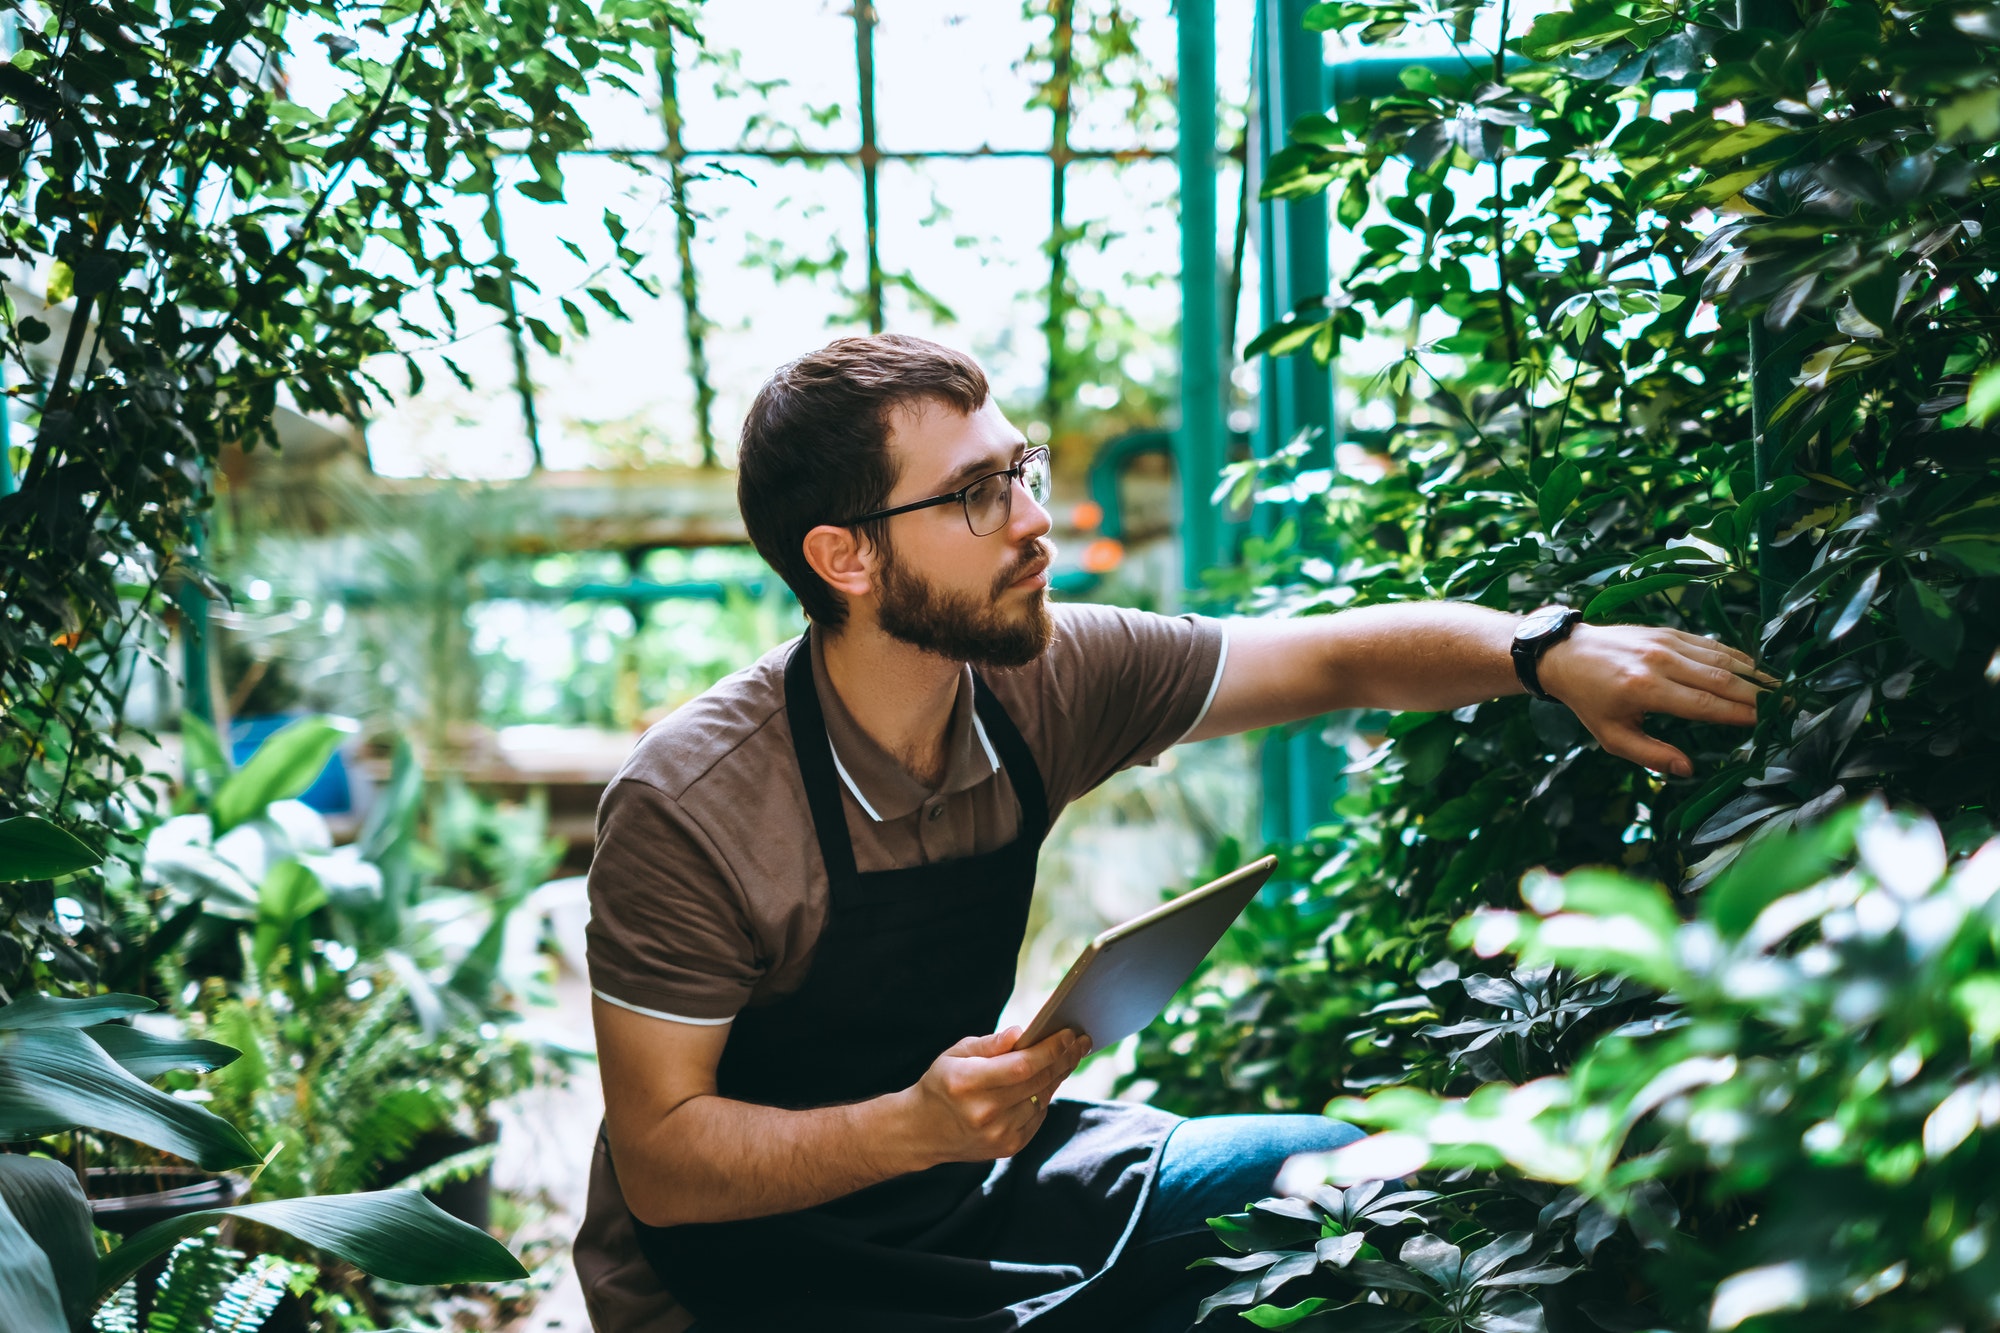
[1541,622]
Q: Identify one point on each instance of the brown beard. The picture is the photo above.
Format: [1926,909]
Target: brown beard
[960,627]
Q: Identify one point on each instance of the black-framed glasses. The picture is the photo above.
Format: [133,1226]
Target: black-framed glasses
[988,500]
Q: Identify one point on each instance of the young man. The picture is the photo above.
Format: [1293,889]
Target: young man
[811,884]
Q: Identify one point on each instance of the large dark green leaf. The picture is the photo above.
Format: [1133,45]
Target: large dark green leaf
[48,1011]
[394,1234]
[1613,598]
[45,1200]
[32,848]
[147,1056]
[28,1292]
[54,1079]
[1929,622]
[284,765]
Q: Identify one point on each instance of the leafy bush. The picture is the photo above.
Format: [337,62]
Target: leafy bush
[1794,1132]
[1539,240]
[201,240]
[1730,367]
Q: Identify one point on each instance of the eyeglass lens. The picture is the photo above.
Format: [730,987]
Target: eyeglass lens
[990,501]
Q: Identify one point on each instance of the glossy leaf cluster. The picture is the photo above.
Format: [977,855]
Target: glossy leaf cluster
[1817,1087]
[1575,244]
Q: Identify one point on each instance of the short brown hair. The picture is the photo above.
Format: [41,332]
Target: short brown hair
[815,445]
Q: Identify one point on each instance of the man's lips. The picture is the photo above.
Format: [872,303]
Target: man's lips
[1035,574]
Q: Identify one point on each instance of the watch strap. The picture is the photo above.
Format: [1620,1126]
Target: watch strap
[1527,652]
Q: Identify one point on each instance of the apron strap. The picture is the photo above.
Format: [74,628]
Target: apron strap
[1018,760]
[815,755]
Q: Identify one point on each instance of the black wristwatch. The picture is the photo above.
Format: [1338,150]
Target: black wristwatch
[1539,631]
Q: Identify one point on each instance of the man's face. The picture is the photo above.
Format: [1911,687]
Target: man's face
[982,600]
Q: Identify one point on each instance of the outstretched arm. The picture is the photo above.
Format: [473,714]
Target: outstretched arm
[1434,656]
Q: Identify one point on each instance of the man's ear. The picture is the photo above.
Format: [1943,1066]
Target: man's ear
[841,558]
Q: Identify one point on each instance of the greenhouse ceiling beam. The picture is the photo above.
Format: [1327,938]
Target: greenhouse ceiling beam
[887,154]
[1199,438]
[635,592]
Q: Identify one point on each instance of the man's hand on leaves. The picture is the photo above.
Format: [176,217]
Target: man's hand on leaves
[1611,676]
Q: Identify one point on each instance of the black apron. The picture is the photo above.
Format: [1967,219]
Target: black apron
[909,962]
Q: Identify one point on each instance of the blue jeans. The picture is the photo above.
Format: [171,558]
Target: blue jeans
[1211,1165]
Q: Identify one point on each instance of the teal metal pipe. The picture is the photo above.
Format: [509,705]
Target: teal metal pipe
[1301,774]
[1199,440]
[1291,233]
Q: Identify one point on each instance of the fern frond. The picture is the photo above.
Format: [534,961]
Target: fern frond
[250,1297]
[199,1270]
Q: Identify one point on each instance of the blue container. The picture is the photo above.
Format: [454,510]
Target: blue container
[330,793]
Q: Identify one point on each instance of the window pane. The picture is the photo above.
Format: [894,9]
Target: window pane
[1126,54]
[773,74]
[971,236]
[954,76]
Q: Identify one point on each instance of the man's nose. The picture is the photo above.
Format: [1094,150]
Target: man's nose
[1027,520]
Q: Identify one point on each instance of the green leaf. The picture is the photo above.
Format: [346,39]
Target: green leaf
[1770,868]
[47,1011]
[46,1202]
[398,1235]
[146,1056]
[1271,1316]
[1613,598]
[33,848]
[1559,492]
[1980,555]
[1928,622]
[1288,335]
[57,1079]
[1972,117]
[285,764]
[289,891]
[28,1291]
[62,283]
[550,340]
[1982,402]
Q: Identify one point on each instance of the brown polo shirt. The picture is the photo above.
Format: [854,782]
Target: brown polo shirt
[707,892]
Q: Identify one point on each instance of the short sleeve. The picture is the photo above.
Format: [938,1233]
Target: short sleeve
[668,934]
[1118,687]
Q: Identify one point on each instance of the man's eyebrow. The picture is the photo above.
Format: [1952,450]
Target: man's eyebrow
[981,467]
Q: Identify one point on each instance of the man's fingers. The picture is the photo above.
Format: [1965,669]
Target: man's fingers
[1628,742]
[1699,705]
[1733,660]
[1022,1069]
[996,1043]
[1716,681]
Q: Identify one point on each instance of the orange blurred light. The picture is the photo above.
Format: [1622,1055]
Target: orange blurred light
[1103,555]
[1087,516]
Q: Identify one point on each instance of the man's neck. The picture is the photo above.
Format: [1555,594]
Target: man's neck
[901,696]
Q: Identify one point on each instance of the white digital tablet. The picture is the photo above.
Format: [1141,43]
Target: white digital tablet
[1125,977]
